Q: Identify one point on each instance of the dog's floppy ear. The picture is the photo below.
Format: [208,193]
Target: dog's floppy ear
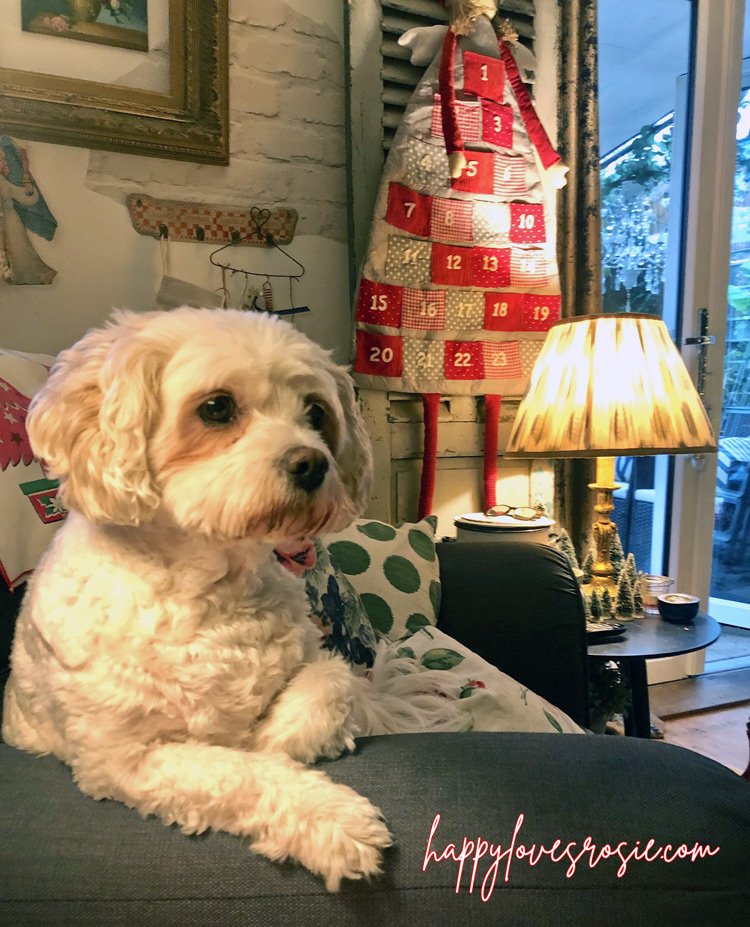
[354,454]
[89,423]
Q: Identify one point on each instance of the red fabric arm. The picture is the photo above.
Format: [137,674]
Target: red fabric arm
[451,131]
[539,138]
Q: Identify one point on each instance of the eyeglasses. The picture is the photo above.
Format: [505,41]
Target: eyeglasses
[519,512]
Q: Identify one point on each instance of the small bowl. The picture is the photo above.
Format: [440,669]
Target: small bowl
[678,607]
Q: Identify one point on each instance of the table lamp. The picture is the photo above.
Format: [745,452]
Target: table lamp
[605,386]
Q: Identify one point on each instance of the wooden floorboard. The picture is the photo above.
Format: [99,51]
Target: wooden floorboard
[719,734]
[671,699]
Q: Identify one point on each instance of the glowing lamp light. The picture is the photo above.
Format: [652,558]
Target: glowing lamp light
[605,386]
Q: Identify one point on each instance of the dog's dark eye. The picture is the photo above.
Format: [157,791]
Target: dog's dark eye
[220,409]
[316,416]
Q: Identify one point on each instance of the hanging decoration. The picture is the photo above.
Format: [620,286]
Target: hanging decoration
[260,299]
[460,280]
[22,208]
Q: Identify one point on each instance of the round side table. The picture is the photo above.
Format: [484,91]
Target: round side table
[645,639]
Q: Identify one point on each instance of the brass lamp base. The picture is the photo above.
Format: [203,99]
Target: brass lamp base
[602,570]
[603,530]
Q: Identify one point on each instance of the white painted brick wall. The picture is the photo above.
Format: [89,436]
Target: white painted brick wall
[287,143]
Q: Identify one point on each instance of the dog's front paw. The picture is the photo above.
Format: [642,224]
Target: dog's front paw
[312,718]
[335,738]
[342,838]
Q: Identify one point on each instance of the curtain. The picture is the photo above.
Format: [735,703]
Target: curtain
[579,221]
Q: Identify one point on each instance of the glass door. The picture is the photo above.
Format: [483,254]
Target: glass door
[706,528]
[669,85]
[730,575]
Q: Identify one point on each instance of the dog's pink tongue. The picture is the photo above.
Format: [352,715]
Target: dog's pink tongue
[296,555]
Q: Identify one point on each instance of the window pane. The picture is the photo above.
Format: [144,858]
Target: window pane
[644,59]
[730,576]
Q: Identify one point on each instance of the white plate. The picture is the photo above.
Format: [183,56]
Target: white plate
[504,521]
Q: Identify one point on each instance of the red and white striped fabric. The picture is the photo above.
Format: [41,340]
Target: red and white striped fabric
[528,268]
[469,120]
[510,176]
[502,360]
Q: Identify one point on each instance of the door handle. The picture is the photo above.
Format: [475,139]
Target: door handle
[702,341]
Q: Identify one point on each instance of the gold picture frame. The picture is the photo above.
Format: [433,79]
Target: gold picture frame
[188,121]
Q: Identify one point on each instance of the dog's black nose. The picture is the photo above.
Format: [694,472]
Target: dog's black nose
[306,467]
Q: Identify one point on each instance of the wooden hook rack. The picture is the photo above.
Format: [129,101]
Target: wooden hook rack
[214,224]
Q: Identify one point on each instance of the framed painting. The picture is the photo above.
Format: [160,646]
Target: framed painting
[146,77]
[120,23]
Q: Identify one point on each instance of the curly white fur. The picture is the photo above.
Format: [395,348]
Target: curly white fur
[161,651]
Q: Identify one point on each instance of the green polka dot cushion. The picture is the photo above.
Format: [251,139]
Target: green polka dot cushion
[394,570]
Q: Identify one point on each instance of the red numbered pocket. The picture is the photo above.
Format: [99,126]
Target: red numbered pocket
[463,360]
[379,304]
[528,268]
[527,223]
[451,220]
[503,312]
[510,175]
[451,266]
[502,360]
[468,116]
[424,310]
[491,267]
[379,355]
[497,124]
[483,76]
[408,210]
[539,312]
[478,175]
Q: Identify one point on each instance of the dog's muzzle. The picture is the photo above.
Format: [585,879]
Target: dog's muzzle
[306,467]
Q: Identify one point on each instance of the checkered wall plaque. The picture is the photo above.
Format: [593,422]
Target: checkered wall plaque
[214,224]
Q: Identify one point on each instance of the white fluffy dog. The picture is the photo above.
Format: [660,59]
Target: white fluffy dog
[161,651]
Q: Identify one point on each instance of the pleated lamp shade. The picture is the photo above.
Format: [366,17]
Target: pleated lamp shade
[610,385]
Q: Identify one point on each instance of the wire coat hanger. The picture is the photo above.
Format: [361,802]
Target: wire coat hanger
[260,217]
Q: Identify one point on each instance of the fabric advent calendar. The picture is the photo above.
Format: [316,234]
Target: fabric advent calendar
[460,281]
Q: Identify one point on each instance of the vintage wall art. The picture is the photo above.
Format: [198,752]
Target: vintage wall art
[147,77]
[120,23]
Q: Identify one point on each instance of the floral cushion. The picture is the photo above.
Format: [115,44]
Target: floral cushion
[28,500]
[335,606]
[394,570]
[488,699]
[338,611]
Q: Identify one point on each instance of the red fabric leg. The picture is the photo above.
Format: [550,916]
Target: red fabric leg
[491,426]
[430,405]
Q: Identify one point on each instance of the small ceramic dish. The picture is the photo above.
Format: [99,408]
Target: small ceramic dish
[678,607]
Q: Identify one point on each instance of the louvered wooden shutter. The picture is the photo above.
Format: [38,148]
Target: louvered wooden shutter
[399,76]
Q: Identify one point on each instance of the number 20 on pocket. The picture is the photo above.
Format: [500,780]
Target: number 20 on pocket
[379,355]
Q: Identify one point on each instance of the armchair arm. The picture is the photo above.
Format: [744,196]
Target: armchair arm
[518,605]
